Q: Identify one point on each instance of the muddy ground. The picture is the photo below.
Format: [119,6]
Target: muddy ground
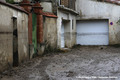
[80,63]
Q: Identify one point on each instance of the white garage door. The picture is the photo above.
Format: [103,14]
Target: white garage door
[93,32]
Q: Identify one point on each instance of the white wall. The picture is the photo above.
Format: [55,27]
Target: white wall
[71,40]
[89,9]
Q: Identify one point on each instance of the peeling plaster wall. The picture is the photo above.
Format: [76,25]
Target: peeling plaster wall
[6,36]
[70,39]
[3,0]
[47,6]
[62,15]
[89,9]
[50,32]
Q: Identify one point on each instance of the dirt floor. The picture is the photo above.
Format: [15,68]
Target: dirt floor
[80,63]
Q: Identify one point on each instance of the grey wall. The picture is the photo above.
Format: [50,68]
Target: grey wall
[50,32]
[6,36]
[47,6]
[3,0]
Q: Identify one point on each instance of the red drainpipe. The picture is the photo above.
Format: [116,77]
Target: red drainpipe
[38,10]
[27,6]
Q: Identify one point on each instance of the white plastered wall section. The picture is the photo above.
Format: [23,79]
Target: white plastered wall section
[62,16]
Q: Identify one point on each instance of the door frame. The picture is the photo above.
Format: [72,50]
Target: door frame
[66,34]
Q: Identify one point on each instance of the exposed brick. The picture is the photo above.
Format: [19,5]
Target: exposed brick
[39,28]
[30,28]
[65,3]
[38,10]
[27,6]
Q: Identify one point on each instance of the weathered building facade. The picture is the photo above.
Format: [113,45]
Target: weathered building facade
[98,22]
[66,21]
[28,29]
[63,35]
[38,29]
[50,30]
[13,35]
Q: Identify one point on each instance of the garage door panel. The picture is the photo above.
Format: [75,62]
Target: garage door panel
[92,26]
[96,40]
[92,32]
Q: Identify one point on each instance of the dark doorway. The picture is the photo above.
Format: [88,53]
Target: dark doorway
[15,43]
